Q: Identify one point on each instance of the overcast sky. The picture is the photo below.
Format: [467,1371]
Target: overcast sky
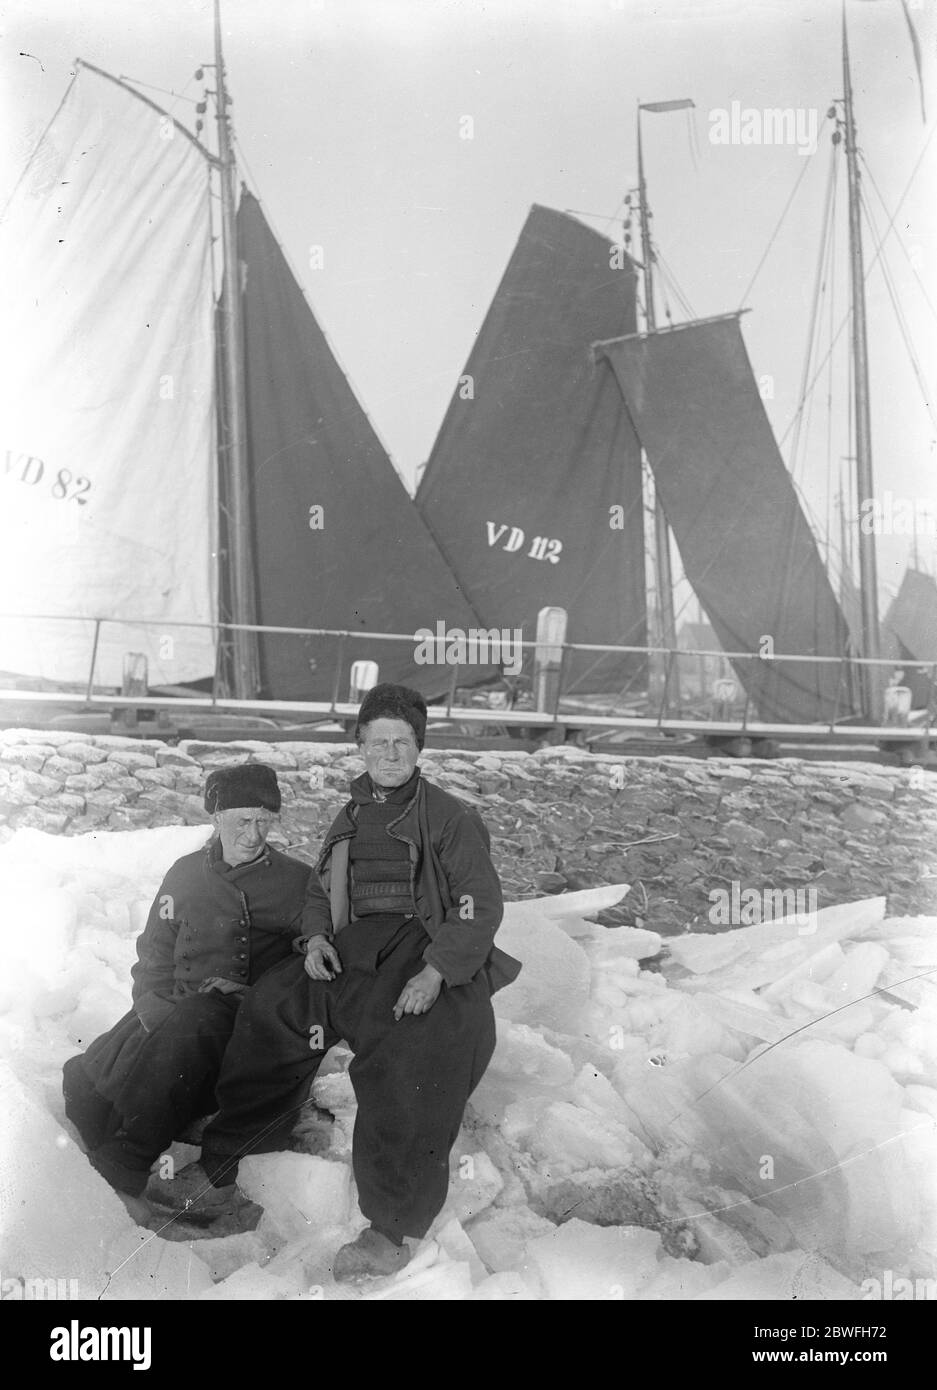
[350,115]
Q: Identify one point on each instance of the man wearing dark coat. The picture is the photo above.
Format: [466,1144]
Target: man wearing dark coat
[222,918]
[397,957]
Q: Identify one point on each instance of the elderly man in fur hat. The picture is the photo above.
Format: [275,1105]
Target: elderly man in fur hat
[397,958]
[222,918]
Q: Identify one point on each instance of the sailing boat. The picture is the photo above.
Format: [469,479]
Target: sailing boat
[691,401]
[533,486]
[203,467]
[174,462]
[556,419]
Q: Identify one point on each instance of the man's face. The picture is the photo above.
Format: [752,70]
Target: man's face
[243,831]
[390,752]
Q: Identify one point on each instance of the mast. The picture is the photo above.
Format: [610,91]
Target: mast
[663,570]
[244,645]
[868,576]
[845,548]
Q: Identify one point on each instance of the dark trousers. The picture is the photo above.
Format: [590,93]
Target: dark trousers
[412,1078]
[132,1092]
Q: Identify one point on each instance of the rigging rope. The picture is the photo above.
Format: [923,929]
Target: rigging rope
[899,315]
[914,271]
[774,234]
[922,286]
[615,215]
[825,238]
[177,96]
[845,319]
[674,284]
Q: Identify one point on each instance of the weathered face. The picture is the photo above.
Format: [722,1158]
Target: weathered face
[390,751]
[243,831]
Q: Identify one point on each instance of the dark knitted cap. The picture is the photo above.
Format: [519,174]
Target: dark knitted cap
[388,701]
[243,784]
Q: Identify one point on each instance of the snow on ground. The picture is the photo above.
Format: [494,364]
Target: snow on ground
[740,1120]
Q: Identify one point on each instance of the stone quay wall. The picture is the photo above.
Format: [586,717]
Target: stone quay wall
[674,828]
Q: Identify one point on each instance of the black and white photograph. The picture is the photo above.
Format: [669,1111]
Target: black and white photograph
[469,492]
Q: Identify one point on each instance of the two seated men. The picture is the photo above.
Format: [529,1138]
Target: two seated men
[387,943]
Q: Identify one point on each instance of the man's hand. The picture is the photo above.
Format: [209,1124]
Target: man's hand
[322,961]
[222,985]
[420,993]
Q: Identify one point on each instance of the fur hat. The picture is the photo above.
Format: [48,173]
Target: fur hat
[388,701]
[242,784]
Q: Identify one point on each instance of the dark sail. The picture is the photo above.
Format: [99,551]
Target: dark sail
[535,452]
[746,546]
[850,601]
[910,631]
[366,562]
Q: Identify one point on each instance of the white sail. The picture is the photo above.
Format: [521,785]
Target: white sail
[107,425]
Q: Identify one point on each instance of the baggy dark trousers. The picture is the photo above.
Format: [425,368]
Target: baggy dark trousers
[411,1078]
[132,1092]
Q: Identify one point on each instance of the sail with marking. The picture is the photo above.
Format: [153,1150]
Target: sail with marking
[747,548]
[107,395]
[338,542]
[533,487]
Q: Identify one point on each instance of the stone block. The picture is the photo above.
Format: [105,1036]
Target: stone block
[737,832]
[131,761]
[165,799]
[84,753]
[175,757]
[155,776]
[28,786]
[113,774]
[858,816]
[212,753]
[90,780]
[130,818]
[115,742]
[312,754]
[276,755]
[60,767]
[104,800]
[53,822]
[91,822]
[44,737]
[194,811]
[30,757]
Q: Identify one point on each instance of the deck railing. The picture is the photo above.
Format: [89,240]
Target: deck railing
[716,711]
